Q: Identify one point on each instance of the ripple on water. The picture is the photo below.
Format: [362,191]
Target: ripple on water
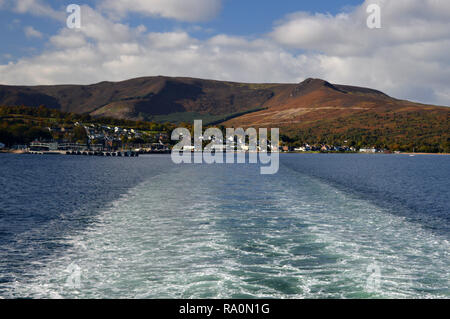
[204,238]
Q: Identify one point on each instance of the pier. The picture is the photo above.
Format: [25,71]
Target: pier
[54,148]
[104,153]
[87,153]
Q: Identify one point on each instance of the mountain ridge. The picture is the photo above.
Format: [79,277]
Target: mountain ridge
[255,104]
[314,111]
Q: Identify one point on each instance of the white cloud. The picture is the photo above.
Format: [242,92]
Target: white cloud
[173,54]
[31,32]
[408,58]
[183,10]
[169,40]
[38,8]
[68,39]
[403,22]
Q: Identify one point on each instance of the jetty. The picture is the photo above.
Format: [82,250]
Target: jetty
[86,153]
[76,149]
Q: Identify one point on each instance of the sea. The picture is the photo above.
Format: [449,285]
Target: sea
[324,226]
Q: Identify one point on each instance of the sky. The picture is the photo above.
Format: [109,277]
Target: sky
[244,41]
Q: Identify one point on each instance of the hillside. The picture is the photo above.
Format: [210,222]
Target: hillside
[20,125]
[144,98]
[316,111]
[311,111]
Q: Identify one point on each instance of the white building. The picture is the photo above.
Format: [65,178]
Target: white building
[2,145]
[368,150]
[188,148]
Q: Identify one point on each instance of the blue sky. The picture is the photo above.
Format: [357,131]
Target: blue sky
[235,40]
[237,17]
[253,17]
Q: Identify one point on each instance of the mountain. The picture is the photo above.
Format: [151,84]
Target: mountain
[143,98]
[316,111]
[317,100]
[311,110]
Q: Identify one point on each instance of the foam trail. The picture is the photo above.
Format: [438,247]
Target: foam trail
[228,232]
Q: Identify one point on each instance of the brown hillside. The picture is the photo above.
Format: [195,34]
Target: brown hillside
[148,96]
[316,100]
[290,106]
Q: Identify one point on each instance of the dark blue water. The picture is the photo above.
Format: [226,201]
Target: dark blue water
[48,197]
[144,227]
[417,187]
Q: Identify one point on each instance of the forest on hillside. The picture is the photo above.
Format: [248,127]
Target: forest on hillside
[22,124]
[395,131]
[419,131]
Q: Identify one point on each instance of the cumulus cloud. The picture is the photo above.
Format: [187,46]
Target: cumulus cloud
[407,58]
[105,50]
[68,39]
[173,54]
[31,32]
[36,7]
[403,22]
[183,10]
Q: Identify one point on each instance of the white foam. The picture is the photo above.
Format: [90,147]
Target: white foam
[200,239]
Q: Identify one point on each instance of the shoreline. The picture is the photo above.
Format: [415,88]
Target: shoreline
[423,154]
[22,152]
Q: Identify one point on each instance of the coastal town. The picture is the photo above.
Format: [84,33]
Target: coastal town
[104,140]
[95,139]
[27,130]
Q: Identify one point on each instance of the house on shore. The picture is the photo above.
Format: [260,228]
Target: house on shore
[368,150]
